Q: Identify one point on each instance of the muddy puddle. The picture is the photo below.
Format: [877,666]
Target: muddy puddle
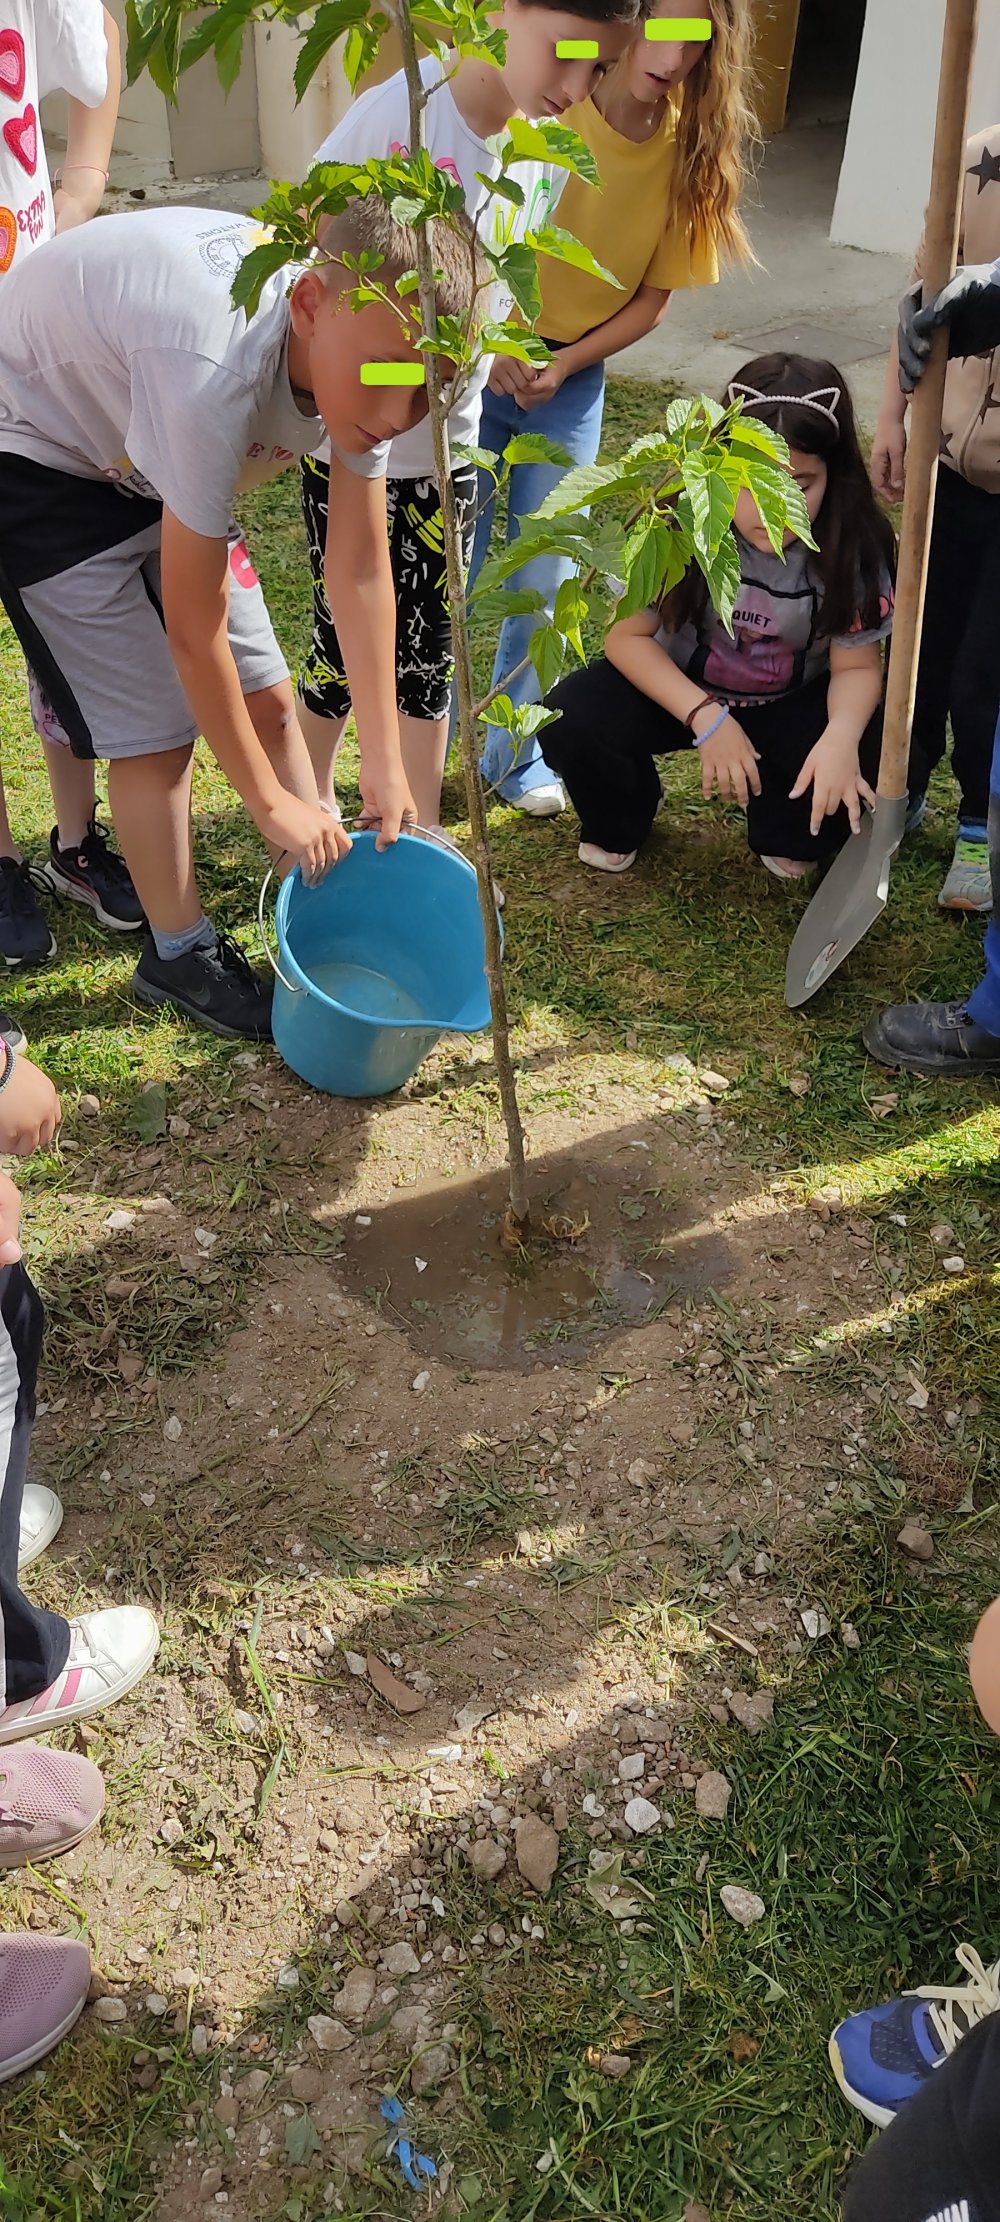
[616,1246]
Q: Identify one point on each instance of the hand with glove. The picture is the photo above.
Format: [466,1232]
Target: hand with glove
[969,306]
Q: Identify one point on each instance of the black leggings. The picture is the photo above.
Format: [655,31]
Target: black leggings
[34,1645]
[424,660]
[605,745]
[959,670]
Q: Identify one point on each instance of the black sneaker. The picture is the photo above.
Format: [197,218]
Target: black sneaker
[216,987]
[933,1039]
[96,875]
[25,934]
[11,1033]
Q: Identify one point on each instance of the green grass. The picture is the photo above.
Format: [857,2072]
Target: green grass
[868,1817]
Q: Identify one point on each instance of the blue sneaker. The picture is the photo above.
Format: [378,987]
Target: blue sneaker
[884,2056]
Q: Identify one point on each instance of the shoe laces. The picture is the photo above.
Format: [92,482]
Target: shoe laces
[955,2009]
[96,849]
[83,1651]
[971,852]
[17,893]
[9,1815]
[234,961]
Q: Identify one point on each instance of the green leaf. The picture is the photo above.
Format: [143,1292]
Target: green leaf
[581,486]
[504,186]
[722,576]
[563,247]
[329,23]
[748,432]
[547,650]
[544,140]
[533,447]
[646,555]
[516,266]
[570,612]
[523,718]
[713,500]
[499,602]
[483,458]
[254,271]
[228,50]
[361,48]
[148,1116]
[301,2140]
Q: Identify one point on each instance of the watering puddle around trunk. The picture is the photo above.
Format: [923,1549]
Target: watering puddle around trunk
[612,1247]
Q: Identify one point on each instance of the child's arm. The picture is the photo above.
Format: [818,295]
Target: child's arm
[888,456]
[194,578]
[728,759]
[89,139]
[639,316]
[30,1110]
[832,768]
[362,599]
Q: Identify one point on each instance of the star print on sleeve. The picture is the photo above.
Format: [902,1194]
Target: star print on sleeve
[989,402]
[987,170]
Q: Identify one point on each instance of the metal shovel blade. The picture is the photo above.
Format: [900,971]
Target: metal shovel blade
[853,894]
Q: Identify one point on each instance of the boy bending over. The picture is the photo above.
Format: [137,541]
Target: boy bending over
[136,404]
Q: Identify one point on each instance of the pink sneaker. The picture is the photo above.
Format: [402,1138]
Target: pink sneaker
[43,1988]
[109,1653]
[48,1801]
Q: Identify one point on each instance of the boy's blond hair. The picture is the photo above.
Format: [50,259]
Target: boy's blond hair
[368,227]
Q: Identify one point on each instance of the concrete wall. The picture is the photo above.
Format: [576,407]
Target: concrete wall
[290,135]
[887,160]
[206,133]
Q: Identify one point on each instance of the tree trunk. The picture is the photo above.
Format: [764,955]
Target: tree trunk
[467,723]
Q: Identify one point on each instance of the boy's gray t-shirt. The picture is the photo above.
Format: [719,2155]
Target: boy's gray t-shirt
[123,358]
[777,644]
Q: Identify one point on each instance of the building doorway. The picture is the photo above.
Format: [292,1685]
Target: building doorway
[807,61]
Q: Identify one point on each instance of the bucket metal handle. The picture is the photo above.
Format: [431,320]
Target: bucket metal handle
[426,833]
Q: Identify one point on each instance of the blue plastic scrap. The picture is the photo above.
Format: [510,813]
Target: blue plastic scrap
[418,2168]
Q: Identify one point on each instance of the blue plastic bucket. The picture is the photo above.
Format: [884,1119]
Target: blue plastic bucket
[376,963]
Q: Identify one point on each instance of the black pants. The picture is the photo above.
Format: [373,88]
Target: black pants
[960,652]
[34,1645]
[424,657]
[605,744]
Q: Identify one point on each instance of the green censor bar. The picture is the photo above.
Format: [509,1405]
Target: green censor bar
[392,374]
[577,50]
[676,30]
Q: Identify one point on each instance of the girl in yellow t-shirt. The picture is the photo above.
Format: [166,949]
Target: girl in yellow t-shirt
[668,128]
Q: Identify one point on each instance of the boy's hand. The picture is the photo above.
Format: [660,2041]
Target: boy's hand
[386,802]
[310,836]
[833,772]
[729,762]
[887,468]
[969,305]
[30,1110]
[10,1221]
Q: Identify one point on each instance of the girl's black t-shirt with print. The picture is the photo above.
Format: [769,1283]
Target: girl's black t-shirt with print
[939,2161]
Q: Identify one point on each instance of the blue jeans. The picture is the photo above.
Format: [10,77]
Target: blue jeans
[573,418]
[984,1005]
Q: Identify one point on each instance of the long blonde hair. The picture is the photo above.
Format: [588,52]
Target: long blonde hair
[717,135]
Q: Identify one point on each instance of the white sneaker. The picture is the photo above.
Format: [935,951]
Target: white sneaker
[41,1520]
[109,1653]
[606,860]
[541,802]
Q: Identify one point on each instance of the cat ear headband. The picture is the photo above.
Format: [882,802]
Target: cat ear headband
[825,401]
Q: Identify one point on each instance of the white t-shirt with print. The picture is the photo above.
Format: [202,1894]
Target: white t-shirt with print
[46,46]
[378,125]
[122,357]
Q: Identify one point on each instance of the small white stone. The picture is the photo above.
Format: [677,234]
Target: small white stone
[110,2009]
[199,2040]
[288,1977]
[157,2005]
[205,1238]
[356,1664]
[632,1767]
[641,1816]
[421,1264]
[245,1723]
[421,1383]
[117,1222]
[743,1906]
[953,1265]
[172,1429]
[171,1829]
[815,1623]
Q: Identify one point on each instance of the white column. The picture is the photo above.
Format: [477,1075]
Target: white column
[290,135]
[887,161]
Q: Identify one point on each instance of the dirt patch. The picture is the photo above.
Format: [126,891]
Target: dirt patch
[572,1541]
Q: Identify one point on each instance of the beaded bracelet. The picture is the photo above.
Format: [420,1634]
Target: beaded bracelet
[699,739]
[10,1061]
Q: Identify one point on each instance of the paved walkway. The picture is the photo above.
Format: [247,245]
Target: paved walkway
[809,295]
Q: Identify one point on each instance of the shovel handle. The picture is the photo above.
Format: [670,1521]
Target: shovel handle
[944,216]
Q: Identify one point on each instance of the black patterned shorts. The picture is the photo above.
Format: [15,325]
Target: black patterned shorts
[424,661]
